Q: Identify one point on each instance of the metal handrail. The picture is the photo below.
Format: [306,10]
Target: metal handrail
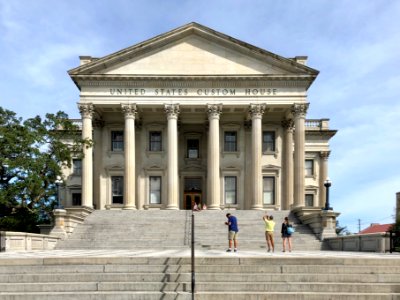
[193,259]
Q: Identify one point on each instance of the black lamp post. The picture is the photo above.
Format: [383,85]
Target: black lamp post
[58,182]
[327,184]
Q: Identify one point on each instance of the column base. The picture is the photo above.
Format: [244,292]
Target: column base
[257,207]
[172,207]
[214,208]
[129,208]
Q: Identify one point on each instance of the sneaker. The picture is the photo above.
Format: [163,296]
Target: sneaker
[269,250]
[229,250]
[235,250]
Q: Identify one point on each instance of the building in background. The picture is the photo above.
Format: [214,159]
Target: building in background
[196,116]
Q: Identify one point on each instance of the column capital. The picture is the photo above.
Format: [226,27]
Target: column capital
[214,110]
[129,110]
[172,110]
[324,154]
[288,124]
[256,110]
[299,110]
[86,110]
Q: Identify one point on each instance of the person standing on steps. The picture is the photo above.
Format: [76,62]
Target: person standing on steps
[286,235]
[269,232]
[233,230]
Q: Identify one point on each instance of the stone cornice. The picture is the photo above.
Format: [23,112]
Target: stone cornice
[194,81]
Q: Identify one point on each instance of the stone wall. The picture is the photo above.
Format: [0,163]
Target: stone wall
[374,242]
[22,241]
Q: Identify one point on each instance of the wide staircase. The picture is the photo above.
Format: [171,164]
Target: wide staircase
[271,277]
[166,229]
[122,255]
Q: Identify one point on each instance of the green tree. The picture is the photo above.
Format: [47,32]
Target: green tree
[32,155]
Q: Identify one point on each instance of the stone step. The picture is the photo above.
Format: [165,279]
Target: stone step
[198,296]
[226,285]
[278,270]
[103,295]
[203,277]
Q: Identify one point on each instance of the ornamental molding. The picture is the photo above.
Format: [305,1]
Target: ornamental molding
[214,110]
[86,110]
[129,110]
[192,81]
[172,110]
[324,154]
[299,110]
[257,110]
[288,124]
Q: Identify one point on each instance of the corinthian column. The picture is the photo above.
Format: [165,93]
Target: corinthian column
[129,111]
[323,175]
[86,111]
[288,148]
[256,112]
[213,176]
[299,112]
[172,112]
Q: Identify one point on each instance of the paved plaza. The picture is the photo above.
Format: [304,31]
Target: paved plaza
[187,253]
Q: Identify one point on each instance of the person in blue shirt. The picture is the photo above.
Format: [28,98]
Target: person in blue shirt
[233,230]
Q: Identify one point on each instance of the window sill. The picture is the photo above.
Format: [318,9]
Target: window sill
[271,153]
[155,153]
[231,153]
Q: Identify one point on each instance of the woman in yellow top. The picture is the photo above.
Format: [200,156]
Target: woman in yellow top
[269,232]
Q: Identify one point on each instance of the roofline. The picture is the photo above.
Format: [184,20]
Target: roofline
[189,28]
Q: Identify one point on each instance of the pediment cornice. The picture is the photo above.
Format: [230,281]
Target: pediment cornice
[194,81]
[96,66]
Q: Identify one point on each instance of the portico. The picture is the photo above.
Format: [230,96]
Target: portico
[195,116]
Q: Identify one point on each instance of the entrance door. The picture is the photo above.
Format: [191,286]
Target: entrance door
[191,198]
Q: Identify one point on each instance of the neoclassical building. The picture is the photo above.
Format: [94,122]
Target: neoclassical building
[196,116]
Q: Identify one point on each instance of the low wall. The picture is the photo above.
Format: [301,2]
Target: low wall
[374,242]
[22,241]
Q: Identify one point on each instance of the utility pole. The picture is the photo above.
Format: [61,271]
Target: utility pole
[359,225]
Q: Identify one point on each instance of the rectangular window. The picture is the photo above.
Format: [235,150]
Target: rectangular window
[193,148]
[155,141]
[117,141]
[269,190]
[76,199]
[230,190]
[309,167]
[268,142]
[309,200]
[117,189]
[77,166]
[155,189]
[230,141]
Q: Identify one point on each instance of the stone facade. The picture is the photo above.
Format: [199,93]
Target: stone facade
[194,115]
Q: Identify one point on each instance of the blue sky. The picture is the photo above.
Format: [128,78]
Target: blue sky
[355,45]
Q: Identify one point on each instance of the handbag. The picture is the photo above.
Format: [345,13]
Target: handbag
[290,230]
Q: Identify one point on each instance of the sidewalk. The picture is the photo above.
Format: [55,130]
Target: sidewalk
[187,253]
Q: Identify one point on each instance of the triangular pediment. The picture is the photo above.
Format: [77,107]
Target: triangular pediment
[192,50]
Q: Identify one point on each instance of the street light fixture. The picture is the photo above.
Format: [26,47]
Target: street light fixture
[58,182]
[327,184]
